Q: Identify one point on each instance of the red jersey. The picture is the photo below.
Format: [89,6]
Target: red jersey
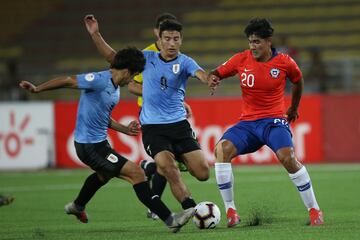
[262,83]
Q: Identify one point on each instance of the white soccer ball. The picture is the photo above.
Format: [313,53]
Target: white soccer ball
[207,215]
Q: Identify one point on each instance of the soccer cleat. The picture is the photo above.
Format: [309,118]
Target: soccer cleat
[6,200]
[70,208]
[152,215]
[233,218]
[316,217]
[180,219]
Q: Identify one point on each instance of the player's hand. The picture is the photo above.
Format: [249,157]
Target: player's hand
[292,114]
[133,128]
[213,82]
[29,86]
[91,24]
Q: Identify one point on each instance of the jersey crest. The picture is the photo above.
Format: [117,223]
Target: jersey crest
[89,77]
[176,68]
[274,72]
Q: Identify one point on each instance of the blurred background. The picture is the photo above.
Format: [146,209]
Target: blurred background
[43,39]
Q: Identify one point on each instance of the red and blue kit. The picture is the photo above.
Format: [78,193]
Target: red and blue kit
[262,83]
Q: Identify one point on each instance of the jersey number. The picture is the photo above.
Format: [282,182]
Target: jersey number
[247,80]
[163,83]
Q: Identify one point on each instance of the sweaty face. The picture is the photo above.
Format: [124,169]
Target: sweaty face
[260,47]
[170,44]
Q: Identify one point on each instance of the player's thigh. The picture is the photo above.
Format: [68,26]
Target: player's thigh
[101,158]
[155,140]
[183,139]
[225,150]
[279,137]
[242,138]
[197,164]
[166,165]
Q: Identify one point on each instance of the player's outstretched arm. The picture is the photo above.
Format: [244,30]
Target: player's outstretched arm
[60,82]
[132,129]
[104,49]
[297,89]
[210,79]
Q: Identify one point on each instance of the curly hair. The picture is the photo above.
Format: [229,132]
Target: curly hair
[129,58]
[261,27]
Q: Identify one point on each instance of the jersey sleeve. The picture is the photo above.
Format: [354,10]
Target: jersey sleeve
[294,72]
[92,81]
[229,68]
[192,67]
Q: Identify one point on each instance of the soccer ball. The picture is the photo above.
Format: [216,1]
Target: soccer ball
[207,215]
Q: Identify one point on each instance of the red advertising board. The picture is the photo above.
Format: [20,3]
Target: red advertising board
[211,118]
[341,122]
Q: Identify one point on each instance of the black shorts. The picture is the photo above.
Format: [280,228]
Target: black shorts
[101,158]
[177,138]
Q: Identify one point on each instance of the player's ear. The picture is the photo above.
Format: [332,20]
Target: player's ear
[156,33]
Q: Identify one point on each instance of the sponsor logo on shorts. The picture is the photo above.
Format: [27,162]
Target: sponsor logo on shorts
[112,158]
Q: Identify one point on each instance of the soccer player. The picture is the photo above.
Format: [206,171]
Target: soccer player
[263,73]
[6,199]
[99,94]
[166,132]
[158,182]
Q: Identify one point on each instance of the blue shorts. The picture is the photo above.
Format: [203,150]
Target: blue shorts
[249,136]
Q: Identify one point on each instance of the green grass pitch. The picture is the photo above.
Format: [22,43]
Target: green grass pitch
[267,201]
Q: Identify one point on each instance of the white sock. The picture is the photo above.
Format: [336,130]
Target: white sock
[302,181]
[225,181]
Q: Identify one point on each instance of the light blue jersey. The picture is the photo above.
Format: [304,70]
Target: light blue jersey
[164,86]
[98,97]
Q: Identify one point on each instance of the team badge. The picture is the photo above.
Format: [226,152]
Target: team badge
[89,77]
[274,72]
[176,68]
[112,158]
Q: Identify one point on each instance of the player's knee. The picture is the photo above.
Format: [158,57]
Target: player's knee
[287,160]
[224,151]
[203,175]
[169,171]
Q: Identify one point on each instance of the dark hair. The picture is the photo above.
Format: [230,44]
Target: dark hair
[129,58]
[261,27]
[170,25]
[162,17]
